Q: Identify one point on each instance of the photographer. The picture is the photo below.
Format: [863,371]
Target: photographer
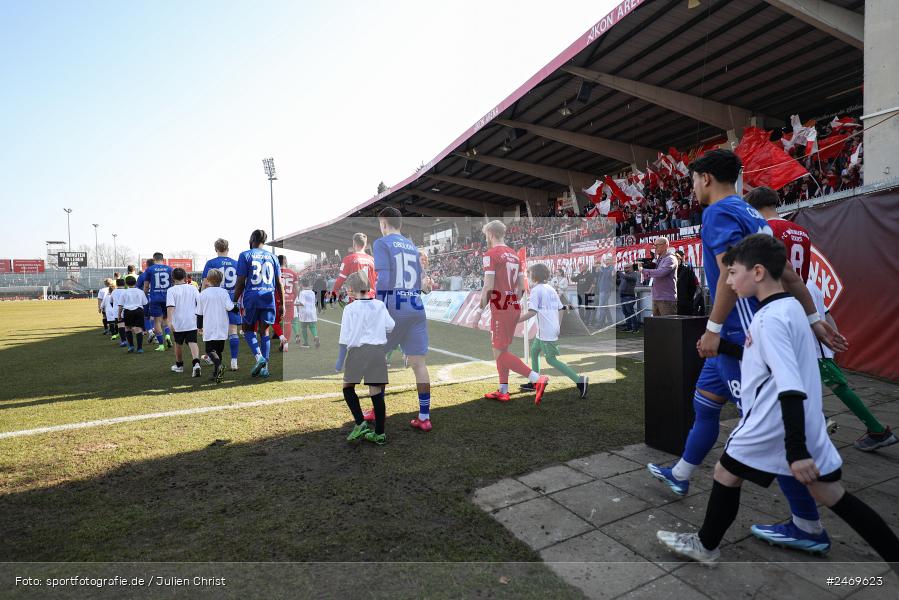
[627,283]
[664,276]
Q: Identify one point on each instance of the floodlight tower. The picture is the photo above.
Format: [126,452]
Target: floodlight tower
[115,253]
[269,165]
[69,225]
[96,245]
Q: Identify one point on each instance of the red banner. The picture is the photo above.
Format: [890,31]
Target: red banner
[5,265]
[185,263]
[24,265]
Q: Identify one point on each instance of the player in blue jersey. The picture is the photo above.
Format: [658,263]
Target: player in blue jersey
[258,281]
[156,280]
[228,267]
[400,286]
[726,220]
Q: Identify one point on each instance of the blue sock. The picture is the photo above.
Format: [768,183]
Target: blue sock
[250,336]
[234,343]
[424,406]
[801,502]
[167,331]
[705,431]
[266,346]
[159,338]
[148,325]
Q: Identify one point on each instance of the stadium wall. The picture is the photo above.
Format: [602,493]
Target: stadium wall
[858,237]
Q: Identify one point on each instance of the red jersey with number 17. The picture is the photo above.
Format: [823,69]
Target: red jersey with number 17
[797,241]
[357,261]
[503,263]
[289,281]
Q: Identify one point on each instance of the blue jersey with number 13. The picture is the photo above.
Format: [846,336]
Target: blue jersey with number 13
[228,267]
[261,269]
[160,279]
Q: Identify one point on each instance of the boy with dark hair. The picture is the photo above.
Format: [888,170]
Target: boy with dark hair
[181,303]
[133,301]
[156,280]
[107,306]
[118,294]
[214,304]
[364,327]
[782,430]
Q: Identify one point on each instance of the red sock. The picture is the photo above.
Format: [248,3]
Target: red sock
[510,362]
[277,329]
[502,370]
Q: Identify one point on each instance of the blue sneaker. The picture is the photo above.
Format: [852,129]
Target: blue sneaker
[123,345]
[260,364]
[130,349]
[140,350]
[664,474]
[788,535]
[264,372]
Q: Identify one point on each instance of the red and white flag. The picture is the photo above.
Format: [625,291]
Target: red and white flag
[616,191]
[853,160]
[844,125]
[594,192]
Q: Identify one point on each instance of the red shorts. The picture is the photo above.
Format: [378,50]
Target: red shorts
[502,326]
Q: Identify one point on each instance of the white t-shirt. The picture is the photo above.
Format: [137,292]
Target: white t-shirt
[306,307]
[818,298]
[545,300]
[183,297]
[109,306]
[101,293]
[133,298]
[118,295]
[365,321]
[781,358]
[214,303]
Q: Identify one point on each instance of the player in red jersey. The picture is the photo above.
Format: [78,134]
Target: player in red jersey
[289,284]
[793,236]
[503,287]
[357,261]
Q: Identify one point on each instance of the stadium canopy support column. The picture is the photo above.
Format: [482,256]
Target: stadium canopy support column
[670,372]
[881,91]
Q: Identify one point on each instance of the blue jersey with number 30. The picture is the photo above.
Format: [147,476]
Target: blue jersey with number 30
[399,274]
[228,267]
[261,269]
[724,224]
[160,279]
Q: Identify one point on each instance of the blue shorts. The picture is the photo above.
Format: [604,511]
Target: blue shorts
[234,317]
[721,376]
[157,308]
[253,315]
[411,335]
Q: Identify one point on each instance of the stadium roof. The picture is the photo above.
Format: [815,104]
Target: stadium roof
[657,74]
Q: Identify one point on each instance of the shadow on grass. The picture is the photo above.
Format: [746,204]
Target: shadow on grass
[313,496]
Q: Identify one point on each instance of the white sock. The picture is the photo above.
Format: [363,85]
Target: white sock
[534,376]
[504,388]
[812,527]
[683,470]
[283,339]
[423,417]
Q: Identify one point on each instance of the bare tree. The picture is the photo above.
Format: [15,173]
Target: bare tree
[382,188]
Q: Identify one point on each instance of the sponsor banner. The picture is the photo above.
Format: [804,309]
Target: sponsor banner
[443,305]
[688,231]
[185,263]
[5,265]
[822,274]
[24,265]
[465,317]
[71,259]
[591,246]
[671,234]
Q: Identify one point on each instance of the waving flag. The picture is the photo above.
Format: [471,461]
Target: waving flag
[832,145]
[594,192]
[616,191]
[765,163]
[853,160]
[844,125]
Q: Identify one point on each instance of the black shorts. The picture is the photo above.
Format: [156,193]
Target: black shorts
[134,318]
[762,478]
[368,363]
[217,346]
[184,337]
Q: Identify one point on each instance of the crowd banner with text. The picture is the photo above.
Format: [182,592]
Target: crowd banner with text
[68,260]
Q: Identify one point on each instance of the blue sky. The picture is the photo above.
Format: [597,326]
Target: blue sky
[151,119]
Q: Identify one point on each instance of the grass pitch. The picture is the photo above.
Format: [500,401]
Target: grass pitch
[278,482]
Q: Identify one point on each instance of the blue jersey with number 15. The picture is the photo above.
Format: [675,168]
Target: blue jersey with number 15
[228,267]
[399,275]
[160,279]
[261,269]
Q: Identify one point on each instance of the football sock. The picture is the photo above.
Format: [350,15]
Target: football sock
[562,368]
[503,372]
[812,527]
[870,526]
[377,402]
[504,388]
[800,499]
[130,337]
[234,344]
[216,359]
[196,362]
[140,341]
[352,401]
[167,331]
[720,512]
[858,408]
[159,338]
[250,336]
[266,346]
[179,363]
[510,362]
[683,470]
[424,406]
[704,432]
